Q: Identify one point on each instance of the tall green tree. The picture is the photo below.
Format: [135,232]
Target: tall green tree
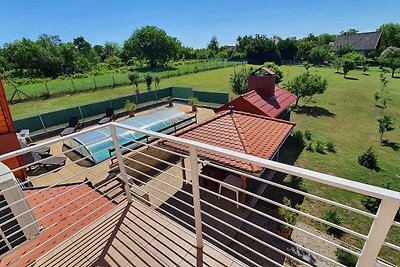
[391,58]
[151,44]
[385,124]
[307,84]
[213,45]
[390,35]
[238,81]
[288,48]
[258,49]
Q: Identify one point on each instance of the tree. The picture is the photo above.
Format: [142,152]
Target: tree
[344,49]
[307,84]
[157,80]
[134,78]
[304,47]
[321,54]
[351,60]
[152,45]
[349,32]
[213,45]
[148,80]
[306,65]
[383,79]
[390,35]
[258,49]
[391,58]
[276,69]
[337,64]
[385,124]
[288,48]
[326,38]
[238,81]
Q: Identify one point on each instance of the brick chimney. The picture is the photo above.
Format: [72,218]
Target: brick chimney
[264,79]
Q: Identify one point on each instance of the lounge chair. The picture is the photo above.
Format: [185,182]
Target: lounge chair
[110,116]
[48,162]
[73,126]
[43,151]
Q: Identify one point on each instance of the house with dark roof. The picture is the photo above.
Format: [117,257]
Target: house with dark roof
[360,42]
[264,97]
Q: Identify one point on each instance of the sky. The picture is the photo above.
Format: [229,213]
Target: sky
[192,22]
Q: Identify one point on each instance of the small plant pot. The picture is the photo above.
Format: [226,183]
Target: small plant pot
[131,113]
[194,108]
[284,234]
[170,104]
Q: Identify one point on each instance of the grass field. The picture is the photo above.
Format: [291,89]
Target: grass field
[346,114]
[68,86]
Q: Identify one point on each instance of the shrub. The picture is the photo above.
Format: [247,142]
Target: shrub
[193,101]
[320,148]
[276,69]
[296,182]
[310,147]
[371,203]
[298,137]
[238,81]
[148,80]
[346,258]
[385,125]
[330,146]
[308,134]
[134,78]
[157,80]
[333,217]
[288,216]
[368,159]
[306,65]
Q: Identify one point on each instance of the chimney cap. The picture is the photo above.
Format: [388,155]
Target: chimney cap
[265,69]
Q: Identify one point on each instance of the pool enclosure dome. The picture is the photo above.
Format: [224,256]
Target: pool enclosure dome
[98,146]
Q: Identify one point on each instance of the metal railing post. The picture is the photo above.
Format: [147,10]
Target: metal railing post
[378,232]
[194,170]
[121,163]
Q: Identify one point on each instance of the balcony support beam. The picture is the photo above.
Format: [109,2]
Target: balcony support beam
[378,232]
[194,170]
[120,159]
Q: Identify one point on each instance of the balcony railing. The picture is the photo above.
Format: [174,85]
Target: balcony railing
[171,183]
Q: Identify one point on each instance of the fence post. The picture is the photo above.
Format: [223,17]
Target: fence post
[95,85]
[41,120]
[47,88]
[73,85]
[120,159]
[80,111]
[110,102]
[194,171]
[378,232]
[113,81]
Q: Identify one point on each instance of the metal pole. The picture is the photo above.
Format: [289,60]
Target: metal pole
[194,170]
[378,232]
[121,163]
[41,120]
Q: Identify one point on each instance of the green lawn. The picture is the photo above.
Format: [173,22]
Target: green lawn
[346,114]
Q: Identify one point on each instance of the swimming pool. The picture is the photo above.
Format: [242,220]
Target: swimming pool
[98,145]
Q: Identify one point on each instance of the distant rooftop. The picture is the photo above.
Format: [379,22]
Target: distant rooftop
[365,41]
[239,131]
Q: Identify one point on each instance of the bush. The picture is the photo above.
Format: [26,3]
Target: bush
[330,146]
[368,159]
[238,81]
[346,258]
[288,216]
[295,182]
[371,203]
[310,147]
[308,135]
[320,148]
[298,137]
[276,69]
[149,80]
[333,217]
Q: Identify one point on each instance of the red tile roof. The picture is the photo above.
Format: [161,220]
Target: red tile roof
[239,131]
[56,223]
[257,102]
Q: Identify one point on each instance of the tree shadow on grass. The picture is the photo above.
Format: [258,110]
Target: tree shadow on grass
[393,145]
[351,78]
[314,111]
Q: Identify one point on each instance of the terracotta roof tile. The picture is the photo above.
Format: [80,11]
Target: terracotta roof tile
[257,102]
[56,222]
[238,131]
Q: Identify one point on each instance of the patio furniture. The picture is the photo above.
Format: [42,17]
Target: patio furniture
[43,151]
[73,126]
[233,182]
[24,134]
[110,116]
[48,162]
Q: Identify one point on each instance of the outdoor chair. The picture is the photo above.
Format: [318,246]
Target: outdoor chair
[233,182]
[73,126]
[110,116]
[43,151]
[49,162]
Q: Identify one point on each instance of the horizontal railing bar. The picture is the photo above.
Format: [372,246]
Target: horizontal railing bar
[290,208]
[54,170]
[94,211]
[157,147]
[155,158]
[280,167]
[331,202]
[392,246]
[50,142]
[54,185]
[59,208]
